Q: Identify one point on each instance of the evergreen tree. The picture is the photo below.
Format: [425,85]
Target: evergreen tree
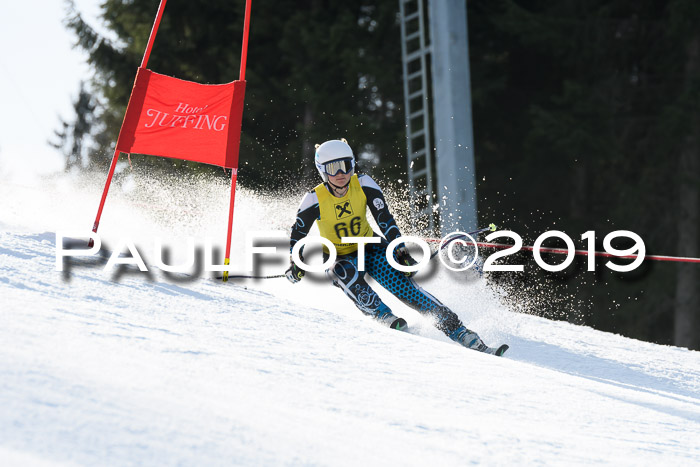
[602,96]
[316,70]
[585,118]
[72,137]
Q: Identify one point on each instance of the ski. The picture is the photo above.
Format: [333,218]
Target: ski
[399,324]
[499,351]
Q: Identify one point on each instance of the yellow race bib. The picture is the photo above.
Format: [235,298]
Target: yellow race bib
[343,217]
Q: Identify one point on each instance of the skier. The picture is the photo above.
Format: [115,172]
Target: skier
[339,206]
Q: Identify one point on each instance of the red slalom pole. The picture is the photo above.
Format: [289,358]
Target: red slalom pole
[115,157]
[244,51]
[227,260]
[154,31]
[234,171]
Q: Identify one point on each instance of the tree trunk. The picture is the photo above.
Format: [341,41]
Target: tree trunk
[687,302]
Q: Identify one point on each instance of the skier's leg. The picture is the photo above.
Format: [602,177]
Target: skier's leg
[410,293]
[345,274]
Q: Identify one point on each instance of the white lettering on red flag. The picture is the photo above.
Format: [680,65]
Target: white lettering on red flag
[170,117]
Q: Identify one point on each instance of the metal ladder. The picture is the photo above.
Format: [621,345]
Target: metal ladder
[414,53]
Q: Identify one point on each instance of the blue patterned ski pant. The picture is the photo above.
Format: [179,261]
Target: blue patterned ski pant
[345,274]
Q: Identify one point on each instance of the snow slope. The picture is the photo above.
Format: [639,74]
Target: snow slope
[144,369]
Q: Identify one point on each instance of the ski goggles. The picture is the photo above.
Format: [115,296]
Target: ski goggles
[341,165]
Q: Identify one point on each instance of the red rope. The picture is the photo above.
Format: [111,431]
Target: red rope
[595,253]
[678,259]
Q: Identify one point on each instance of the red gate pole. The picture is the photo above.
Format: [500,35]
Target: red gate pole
[244,51]
[227,260]
[115,157]
[234,171]
[154,31]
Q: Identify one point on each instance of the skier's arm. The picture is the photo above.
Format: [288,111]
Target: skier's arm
[379,208]
[306,215]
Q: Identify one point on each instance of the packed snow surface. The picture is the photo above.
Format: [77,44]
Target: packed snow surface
[142,368]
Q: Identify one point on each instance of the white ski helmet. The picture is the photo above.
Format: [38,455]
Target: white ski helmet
[330,151]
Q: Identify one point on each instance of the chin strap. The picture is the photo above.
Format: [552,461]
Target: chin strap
[339,188]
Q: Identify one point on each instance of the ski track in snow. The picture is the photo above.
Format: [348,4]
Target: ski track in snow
[142,369]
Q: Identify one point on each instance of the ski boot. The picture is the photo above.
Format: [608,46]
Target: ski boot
[471,340]
[388,318]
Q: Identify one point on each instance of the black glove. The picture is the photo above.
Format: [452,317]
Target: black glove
[404,258]
[294,273]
